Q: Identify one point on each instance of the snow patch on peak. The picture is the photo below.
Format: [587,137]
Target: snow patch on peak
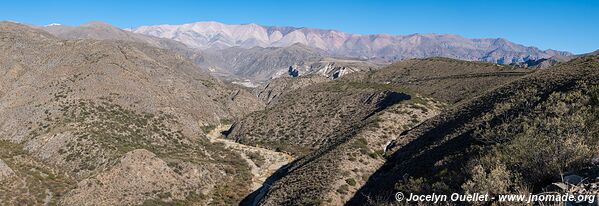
[53,24]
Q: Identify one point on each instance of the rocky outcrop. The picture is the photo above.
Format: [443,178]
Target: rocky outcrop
[334,68]
[256,63]
[545,63]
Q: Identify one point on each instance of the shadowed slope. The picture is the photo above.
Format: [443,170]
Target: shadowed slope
[437,155]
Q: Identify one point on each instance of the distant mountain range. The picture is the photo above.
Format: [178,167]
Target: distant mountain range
[251,52]
[215,35]
[104,31]
[97,115]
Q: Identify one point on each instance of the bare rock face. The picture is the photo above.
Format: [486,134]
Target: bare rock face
[334,68]
[217,35]
[545,63]
[258,63]
[260,52]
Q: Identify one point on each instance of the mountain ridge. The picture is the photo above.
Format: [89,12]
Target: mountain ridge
[337,43]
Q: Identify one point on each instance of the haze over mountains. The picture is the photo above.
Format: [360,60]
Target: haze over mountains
[217,35]
[255,53]
[97,115]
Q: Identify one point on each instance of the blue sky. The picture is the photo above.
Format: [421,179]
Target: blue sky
[563,25]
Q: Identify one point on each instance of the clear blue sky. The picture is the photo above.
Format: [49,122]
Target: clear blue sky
[564,25]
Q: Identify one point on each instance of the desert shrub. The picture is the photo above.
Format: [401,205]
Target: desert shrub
[343,189]
[361,144]
[226,121]
[208,128]
[350,181]
[256,158]
[490,176]
[309,202]
[558,136]
[413,185]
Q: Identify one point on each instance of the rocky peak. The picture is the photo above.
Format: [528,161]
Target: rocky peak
[336,43]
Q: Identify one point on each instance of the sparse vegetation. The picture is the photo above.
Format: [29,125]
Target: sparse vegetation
[32,181]
[303,122]
[124,123]
[257,158]
[558,136]
[518,138]
[350,181]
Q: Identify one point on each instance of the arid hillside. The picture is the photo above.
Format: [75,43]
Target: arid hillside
[335,171]
[341,140]
[305,119]
[518,138]
[416,145]
[96,115]
[87,122]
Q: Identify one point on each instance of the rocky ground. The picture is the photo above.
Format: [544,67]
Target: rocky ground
[517,138]
[90,122]
[332,174]
[101,116]
[263,162]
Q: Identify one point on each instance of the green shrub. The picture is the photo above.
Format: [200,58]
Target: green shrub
[559,135]
[350,181]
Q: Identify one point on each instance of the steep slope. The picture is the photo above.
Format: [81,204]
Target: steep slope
[352,154]
[262,64]
[235,63]
[305,119]
[104,122]
[389,47]
[104,31]
[444,79]
[333,173]
[518,138]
